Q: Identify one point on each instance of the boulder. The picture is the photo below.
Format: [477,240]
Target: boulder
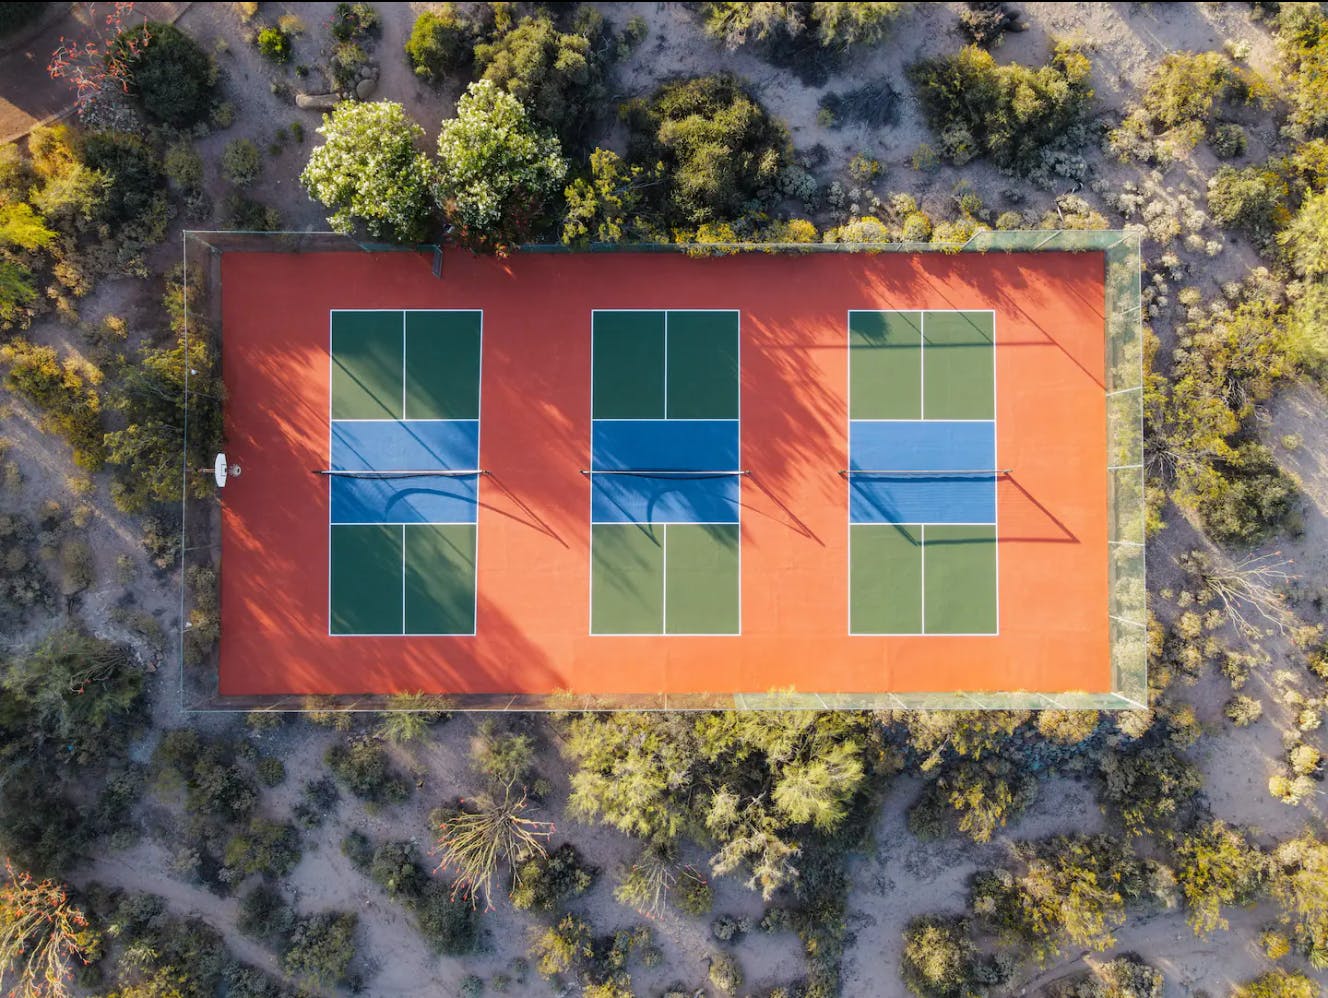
[317,102]
[365,88]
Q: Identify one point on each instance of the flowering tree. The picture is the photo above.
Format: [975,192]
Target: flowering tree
[369,171]
[496,169]
[41,935]
[104,60]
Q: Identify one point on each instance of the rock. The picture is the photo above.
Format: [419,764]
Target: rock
[365,88]
[316,102]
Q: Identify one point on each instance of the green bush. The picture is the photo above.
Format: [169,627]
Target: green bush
[940,960]
[64,391]
[440,43]
[1148,788]
[722,153]
[173,79]
[557,75]
[1252,199]
[811,39]
[1011,113]
[353,21]
[363,766]
[545,882]
[274,43]
[265,915]
[1302,34]
[1278,984]
[241,162]
[1125,977]
[132,171]
[321,948]
[184,166]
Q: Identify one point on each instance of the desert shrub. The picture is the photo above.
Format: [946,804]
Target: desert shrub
[503,757]
[1067,727]
[722,153]
[496,169]
[1067,889]
[1228,140]
[1252,200]
[245,214]
[184,166]
[1010,113]
[759,784]
[364,767]
[321,948]
[353,21]
[1242,711]
[1305,237]
[808,38]
[271,771]
[134,179]
[1148,788]
[725,973]
[215,785]
[546,880]
[1278,984]
[557,75]
[369,172]
[1217,865]
[1124,977]
[1302,34]
[1186,95]
[440,43]
[941,961]
[985,24]
[607,205]
[241,162]
[265,915]
[274,43]
[149,394]
[64,391]
[561,945]
[975,796]
[68,706]
[171,76]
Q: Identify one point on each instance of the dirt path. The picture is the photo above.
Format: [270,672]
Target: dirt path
[28,95]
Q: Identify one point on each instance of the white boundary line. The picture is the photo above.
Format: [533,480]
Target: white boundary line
[995,524]
[590,586]
[479,398]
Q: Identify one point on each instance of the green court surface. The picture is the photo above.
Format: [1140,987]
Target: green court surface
[959,568]
[676,578]
[885,588]
[442,351]
[367,365]
[440,578]
[665,364]
[921,365]
[922,579]
[365,570]
[958,365]
[412,364]
[885,365]
[403,579]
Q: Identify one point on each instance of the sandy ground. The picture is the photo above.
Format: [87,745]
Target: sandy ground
[896,878]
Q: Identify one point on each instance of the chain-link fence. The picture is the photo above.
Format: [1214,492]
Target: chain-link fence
[1127,606]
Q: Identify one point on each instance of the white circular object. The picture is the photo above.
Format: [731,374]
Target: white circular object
[220,470]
